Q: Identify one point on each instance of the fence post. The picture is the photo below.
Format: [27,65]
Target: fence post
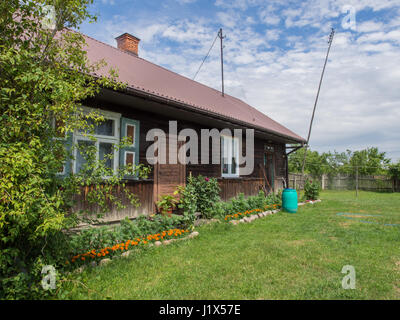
[357,181]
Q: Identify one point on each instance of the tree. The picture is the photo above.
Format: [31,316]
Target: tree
[315,165]
[369,161]
[394,170]
[44,76]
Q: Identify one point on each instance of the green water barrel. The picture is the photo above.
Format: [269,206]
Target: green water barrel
[289,200]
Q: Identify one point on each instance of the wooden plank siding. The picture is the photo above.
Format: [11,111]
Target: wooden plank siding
[143,189]
[232,187]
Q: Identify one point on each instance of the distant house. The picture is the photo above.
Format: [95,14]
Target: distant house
[156,96]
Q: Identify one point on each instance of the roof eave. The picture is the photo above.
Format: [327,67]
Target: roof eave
[182,104]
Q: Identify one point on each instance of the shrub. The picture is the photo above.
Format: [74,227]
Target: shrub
[311,190]
[239,203]
[206,191]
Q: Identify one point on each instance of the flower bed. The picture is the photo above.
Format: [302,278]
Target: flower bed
[95,255]
[240,215]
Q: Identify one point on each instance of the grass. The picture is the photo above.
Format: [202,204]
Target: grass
[283,256]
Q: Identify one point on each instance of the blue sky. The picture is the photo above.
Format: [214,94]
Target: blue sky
[274,53]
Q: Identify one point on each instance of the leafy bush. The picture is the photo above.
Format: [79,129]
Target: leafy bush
[206,191]
[239,203]
[311,190]
[394,170]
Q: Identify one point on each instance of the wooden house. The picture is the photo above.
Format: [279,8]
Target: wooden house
[154,97]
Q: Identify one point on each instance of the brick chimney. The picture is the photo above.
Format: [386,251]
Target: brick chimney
[128,43]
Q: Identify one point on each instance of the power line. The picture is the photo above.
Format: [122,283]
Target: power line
[206,56]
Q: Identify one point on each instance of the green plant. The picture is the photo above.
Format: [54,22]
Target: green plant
[187,202]
[166,204]
[207,193]
[394,170]
[239,203]
[311,190]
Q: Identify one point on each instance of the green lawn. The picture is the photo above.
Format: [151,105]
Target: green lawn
[283,256]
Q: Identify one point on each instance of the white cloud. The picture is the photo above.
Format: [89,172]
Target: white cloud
[369,26]
[186,1]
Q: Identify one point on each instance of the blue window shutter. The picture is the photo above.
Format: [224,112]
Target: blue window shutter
[131,151]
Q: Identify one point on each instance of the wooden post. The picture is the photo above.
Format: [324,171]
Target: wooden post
[357,181]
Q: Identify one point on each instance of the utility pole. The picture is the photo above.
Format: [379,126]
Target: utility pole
[356,181]
[316,99]
[222,58]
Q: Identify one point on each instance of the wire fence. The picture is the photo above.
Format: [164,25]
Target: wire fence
[347,182]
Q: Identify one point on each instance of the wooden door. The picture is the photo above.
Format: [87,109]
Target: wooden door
[168,176]
[269,163]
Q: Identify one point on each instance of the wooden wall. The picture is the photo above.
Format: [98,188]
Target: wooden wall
[232,187]
[144,191]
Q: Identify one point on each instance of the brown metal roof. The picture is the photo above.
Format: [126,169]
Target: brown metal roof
[145,76]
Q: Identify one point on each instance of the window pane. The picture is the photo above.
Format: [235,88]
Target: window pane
[233,168]
[225,165]
[129,157]
[224,155]
[105,128]
[81,157]
[106,152]
[235,148]
[130,133]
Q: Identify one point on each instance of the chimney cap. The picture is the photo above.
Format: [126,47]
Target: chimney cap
[126,34]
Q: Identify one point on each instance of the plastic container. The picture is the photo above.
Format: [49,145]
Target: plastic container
[289,200]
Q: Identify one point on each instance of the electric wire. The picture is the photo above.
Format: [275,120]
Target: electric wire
[208,53]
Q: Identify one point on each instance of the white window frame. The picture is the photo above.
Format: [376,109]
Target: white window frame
[115,139]
[230,153]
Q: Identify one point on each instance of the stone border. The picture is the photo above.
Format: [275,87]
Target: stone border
[255,216]
[310,201]
[126,254]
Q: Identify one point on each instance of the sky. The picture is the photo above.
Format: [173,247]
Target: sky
[274,52]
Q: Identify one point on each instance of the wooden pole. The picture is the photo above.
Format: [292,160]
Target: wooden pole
[222,59]
[316,99]
[357,181]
